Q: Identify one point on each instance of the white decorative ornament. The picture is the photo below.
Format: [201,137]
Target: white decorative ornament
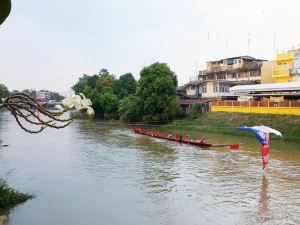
[71,100]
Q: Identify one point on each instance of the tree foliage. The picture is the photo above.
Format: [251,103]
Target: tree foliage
[3,91]
[129,109]
[99,88]
[110,104]
[125,86]
[152,98]
[196,110]
[156,92]
[5,8]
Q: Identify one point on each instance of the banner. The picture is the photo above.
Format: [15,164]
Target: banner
[262,133]
[265,149]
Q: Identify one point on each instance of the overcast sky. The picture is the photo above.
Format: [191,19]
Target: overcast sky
[50,44]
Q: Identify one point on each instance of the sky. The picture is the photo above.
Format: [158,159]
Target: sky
[50,44]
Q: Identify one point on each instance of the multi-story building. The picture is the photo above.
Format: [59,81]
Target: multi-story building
[287,66]
[220,75]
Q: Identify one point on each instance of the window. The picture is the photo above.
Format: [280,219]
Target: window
[229,61]
[254,74]
[221,77]
[215,87]
[204,88]
[243,74]
[231,75]
[224,87]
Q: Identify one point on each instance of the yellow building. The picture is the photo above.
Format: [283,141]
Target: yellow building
[281,69]
[266,72]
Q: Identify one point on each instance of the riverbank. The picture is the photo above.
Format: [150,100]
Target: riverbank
[10,197]
[225,123]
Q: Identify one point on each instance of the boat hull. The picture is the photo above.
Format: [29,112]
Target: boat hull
[142,132]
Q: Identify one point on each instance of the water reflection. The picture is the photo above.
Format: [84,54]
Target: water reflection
[102,173]
[264,201]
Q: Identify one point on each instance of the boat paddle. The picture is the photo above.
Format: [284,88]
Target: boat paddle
[232,146]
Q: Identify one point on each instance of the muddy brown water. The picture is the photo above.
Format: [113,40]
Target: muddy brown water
[96,172]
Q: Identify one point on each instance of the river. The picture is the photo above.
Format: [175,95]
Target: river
[96,172]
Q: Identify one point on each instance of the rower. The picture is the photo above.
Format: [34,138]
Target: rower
[169,135]
[202,140]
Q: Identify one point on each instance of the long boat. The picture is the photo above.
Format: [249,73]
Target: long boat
[184,140]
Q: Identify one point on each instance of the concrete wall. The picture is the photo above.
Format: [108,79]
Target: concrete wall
[190,91]
[209,90]
[266,72]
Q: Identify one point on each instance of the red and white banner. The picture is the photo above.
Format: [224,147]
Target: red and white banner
[265,149]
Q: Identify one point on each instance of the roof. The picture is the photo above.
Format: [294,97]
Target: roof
[180,88]
[246,57]
[191,101]
[274,87]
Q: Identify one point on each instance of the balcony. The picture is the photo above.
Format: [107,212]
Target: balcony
[284,56]
[294,71]
[230,68]
[280,72]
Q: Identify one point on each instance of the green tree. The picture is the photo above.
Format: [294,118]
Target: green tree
[5,8]
[125,85]
[156,91]
[3,92]
[129,109]
[105,80]
[173,110]
[88,80]
[196,111]
[30,92]
[110,104]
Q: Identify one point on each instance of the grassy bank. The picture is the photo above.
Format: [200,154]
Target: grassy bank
[225,123]
[9,197]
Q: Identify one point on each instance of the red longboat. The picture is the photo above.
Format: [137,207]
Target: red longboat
[177,139]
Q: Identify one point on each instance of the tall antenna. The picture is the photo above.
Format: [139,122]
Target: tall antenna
[248,52]
[274,44]
[196,68]
[226,46]
[208,47]
[262,33]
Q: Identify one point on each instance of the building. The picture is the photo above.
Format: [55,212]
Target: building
[266,72]
[287,66]
[43,96]
[276,98]
[219,76]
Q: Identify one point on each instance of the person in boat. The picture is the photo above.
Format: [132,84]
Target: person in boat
[152,133]
[202,140]
[180,137]
[169,135]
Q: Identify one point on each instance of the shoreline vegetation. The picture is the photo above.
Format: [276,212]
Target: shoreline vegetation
[226,123]
[10,197]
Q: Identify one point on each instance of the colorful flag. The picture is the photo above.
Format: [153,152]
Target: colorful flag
[265,149]
[262,133]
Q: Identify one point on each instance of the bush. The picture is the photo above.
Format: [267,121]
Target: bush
[10,197]
[196,110]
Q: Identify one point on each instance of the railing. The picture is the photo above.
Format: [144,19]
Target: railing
[289,104]
[294,71]
[245,66]
[257,104]
[280,72]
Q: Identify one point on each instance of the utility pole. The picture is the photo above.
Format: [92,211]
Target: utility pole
[262,34]
[208,47]
[196,68]
[226,46]
[248,52]
[274,44]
